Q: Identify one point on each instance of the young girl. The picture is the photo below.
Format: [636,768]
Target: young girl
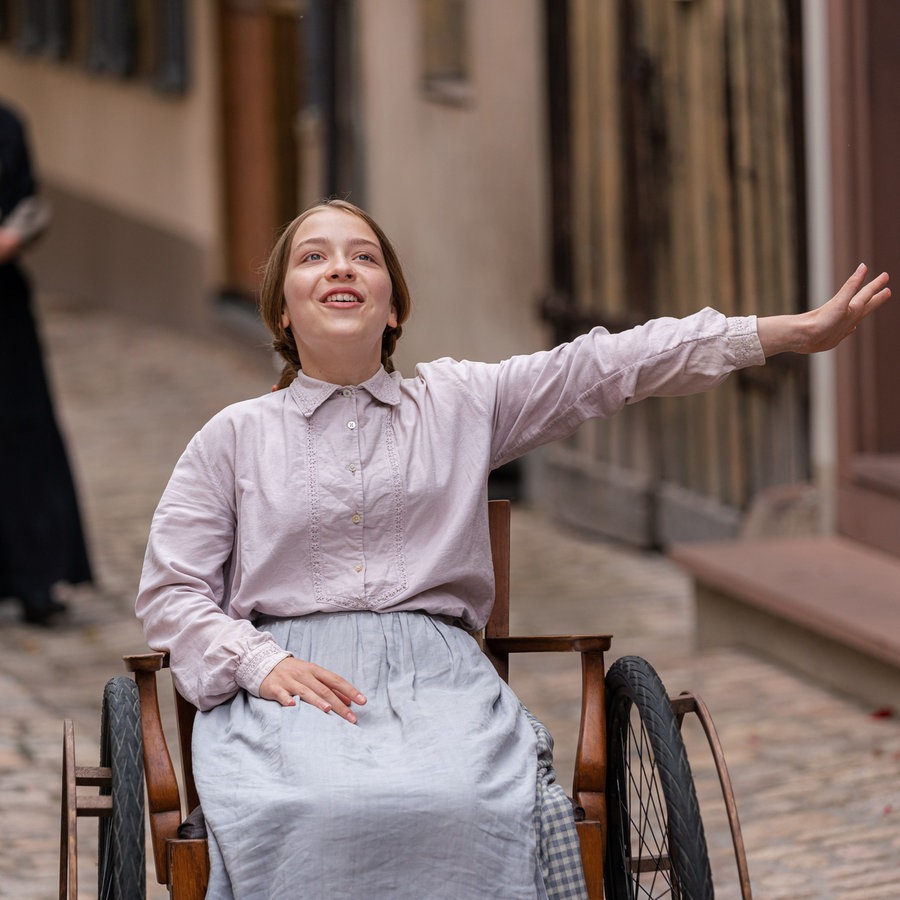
[321,554]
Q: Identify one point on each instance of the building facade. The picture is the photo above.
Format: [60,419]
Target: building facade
[543,166]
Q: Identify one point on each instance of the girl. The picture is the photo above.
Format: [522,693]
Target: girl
[321,554]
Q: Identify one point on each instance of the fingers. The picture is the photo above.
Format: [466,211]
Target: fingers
[330,693]
[869,297]
[876,291]
[855,281]
[855,285]
[313,685]
[347,701]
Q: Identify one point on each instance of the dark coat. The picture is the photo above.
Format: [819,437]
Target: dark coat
[41,537]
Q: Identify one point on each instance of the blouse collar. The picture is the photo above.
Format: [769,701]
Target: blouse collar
[310,394]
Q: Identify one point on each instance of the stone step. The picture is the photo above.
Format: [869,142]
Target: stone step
[824,605]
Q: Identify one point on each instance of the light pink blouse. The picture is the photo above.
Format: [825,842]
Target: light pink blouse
[323,498]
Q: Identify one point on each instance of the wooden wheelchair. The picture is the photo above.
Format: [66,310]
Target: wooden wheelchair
[638,817]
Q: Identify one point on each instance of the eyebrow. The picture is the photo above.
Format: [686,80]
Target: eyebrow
[354,242]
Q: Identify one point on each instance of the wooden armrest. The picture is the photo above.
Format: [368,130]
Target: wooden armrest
[147,662]
[163,798]
[572,643]
[589,788]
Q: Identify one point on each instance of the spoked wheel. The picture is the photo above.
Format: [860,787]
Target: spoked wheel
[122,852]
[656,847]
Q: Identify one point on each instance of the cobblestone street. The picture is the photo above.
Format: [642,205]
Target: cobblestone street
[817,777]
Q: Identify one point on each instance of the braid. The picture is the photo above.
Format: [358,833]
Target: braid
[388,345]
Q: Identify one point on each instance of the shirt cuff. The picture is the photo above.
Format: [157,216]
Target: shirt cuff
[743,340]
[256,665]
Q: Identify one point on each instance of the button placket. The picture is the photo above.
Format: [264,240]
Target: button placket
[353,467]
[352,424]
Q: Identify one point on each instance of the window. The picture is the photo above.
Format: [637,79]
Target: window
[143,40]
[445,75]
[112,37]
[35,26]
[57,28]
[168,50]
[29,31]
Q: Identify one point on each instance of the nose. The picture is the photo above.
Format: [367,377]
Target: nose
[341,269]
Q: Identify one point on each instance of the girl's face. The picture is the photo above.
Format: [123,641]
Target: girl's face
[337,293]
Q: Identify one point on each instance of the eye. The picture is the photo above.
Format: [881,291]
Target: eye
[314,256]
[366,257]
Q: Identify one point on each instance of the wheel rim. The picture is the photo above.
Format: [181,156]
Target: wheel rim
[641,810]
[656,847]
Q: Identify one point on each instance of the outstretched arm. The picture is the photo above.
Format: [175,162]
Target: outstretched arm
[825,327]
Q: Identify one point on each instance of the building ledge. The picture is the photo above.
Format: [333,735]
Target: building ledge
[826,605]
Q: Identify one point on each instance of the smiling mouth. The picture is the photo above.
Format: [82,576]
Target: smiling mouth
[345,298]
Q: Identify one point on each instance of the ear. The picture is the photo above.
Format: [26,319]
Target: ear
[285,318]
[392,316]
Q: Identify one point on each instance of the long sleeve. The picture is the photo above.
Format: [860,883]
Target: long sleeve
[546,396]
[183,597]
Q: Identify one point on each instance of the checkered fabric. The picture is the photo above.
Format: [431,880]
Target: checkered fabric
[554,824]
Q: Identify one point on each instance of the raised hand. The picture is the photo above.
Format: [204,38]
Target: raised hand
[825,327]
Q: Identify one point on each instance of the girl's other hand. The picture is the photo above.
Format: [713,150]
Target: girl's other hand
[312,684]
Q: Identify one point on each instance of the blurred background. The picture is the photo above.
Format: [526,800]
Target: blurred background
[543,166]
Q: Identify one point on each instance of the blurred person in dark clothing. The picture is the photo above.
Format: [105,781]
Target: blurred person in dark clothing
[41,538]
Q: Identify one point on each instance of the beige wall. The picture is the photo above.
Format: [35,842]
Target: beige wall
[135,176]
[461,190]
[119,158]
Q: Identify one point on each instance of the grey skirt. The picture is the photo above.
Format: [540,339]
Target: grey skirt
[442,791]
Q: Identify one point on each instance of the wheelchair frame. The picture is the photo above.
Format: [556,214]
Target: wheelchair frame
[183,863]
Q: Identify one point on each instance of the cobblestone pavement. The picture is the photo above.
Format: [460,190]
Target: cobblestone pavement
[816,776]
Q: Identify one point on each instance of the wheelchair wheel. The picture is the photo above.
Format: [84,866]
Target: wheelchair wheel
[655,842]
[122,851]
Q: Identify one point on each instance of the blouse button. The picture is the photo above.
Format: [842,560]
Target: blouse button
[352,467]
[351,425]
[346,392]
[358,567]
[356,518]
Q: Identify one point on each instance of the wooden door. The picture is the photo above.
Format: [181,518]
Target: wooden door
[261,90]
[865,70]
[290,123]
[677,146]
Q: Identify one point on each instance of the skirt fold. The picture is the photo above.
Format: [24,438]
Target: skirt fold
[431,795]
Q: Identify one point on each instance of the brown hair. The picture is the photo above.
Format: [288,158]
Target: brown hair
[271,294]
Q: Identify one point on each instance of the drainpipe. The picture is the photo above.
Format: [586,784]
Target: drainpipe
[823,399]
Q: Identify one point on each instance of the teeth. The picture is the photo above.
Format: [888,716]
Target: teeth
[342,298]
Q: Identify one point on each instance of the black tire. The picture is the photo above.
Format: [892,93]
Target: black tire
[122,851]
[655,842]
